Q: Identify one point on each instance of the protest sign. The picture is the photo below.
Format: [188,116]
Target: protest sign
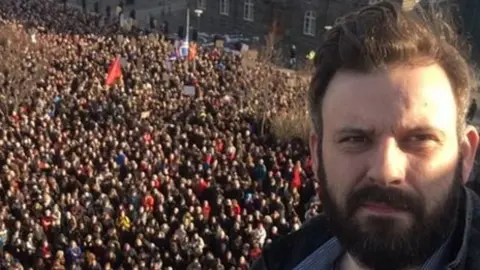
[219,43]
[145,114]
[184,49]
[189,90]
[120,39]
[123,61]
[249,58]
[165,76]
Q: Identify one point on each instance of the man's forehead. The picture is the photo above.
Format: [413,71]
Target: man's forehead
[395,79]
[400,97]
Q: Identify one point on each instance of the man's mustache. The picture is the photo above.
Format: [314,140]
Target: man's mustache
[392,197]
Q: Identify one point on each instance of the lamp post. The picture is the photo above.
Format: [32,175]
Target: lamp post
[199,13]
[187,26]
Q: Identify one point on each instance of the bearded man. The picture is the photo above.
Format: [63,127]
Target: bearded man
[391,150]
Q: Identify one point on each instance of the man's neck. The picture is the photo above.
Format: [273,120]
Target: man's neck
[348,262]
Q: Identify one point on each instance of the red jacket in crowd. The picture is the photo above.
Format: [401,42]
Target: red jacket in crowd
[149,202]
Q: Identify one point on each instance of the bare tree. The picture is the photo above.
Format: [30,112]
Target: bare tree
[277,96]
[264,87]
[22,65]
[293,121]
[270,52]
[265,94]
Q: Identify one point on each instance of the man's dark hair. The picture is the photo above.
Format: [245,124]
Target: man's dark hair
[382,35]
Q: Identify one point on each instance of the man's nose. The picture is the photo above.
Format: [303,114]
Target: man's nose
[388,164]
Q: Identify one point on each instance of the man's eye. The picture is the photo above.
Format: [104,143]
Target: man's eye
[354,139]
[421,138]
[420,142]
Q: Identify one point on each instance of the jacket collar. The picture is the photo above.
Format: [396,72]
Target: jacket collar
[467,234]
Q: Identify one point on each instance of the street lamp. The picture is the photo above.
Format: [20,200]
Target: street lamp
[199,13]
[327,27]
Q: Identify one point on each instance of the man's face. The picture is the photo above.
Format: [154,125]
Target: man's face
[391,164]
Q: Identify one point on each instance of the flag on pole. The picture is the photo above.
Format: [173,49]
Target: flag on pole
[184,48]
[192,51]
[114,72]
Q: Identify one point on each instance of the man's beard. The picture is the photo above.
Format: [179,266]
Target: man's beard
[378,243]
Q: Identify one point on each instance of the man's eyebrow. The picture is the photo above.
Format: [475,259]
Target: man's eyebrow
[371,131]
[425,129]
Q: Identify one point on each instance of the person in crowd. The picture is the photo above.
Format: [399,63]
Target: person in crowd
[391,149]
[293,57]
[472,110]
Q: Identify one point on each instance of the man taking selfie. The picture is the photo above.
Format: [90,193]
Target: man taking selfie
[391,150]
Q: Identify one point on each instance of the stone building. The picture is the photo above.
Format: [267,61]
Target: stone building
[172,11]
[469,11]
[299,22]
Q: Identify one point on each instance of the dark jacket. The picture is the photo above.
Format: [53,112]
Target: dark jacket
[289,251]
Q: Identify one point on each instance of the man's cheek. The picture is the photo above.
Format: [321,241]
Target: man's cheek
[335,186]
[336,193]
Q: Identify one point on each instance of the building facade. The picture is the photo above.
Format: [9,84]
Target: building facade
[172,11]
[469,11]
[299,22]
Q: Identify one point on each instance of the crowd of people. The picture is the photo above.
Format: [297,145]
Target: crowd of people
[138,175]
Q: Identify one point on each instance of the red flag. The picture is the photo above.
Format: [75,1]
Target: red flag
[114,72]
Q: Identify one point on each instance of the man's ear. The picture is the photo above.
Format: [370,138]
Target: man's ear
[313,143]
[468,148]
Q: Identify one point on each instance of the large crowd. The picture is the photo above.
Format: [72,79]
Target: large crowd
[138,175]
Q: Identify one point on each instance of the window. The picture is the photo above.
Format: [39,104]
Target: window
[309,24]
[202,4]
[96,7]
[224,7]
[248,10]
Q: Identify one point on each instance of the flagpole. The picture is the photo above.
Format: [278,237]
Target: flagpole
[187,37]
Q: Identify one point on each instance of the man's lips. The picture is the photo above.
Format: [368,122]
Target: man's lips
[381,208]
